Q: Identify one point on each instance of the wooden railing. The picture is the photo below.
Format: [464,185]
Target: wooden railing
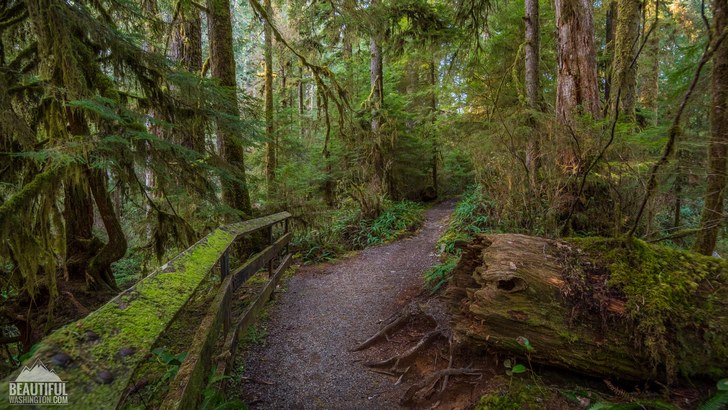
[191,379]
[97,355]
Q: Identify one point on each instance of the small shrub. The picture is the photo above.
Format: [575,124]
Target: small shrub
[472,216]
[437,276]
[346,229]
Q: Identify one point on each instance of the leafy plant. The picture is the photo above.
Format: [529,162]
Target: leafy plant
[172,361]
[436,276]
[471,216]
[213,397]
[512,369]
[720,399]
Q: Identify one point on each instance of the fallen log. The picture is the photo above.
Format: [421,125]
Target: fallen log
[619,308]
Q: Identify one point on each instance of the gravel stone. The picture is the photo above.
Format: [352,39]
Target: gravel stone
[327,310]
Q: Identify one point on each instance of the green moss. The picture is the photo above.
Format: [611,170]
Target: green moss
[675,300]
[569,336]
[134,319]
[517,396]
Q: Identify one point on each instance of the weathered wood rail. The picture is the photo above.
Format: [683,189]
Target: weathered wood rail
[97,355]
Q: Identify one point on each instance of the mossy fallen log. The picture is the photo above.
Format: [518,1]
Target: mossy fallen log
[609,307]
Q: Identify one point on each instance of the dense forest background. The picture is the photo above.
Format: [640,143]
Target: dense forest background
[130,128]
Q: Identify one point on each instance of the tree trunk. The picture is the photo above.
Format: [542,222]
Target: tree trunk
[712,215]
[433,119]
[611,16]
[649,71]
[377,97]
[577,91]
[99,268]
[301,103]
[270,147]
[81,244]
[624,73]
[559,296]
[222,62]
[187,49]
[533,87]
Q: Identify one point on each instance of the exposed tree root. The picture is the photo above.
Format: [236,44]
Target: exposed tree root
[394,361]
[426,386]
[407,315]
[424,389]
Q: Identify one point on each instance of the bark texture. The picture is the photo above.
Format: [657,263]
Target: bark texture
[712,215]
[270,148]
[222,61]
[533,86]
[624,73]
[611,16]
[376,75]
[187,50]
[649,71]
[577,91]
[561,297]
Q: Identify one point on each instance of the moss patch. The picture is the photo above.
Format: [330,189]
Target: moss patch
[676,301]
[134,320]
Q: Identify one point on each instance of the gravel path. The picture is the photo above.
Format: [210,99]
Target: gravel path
[326,311]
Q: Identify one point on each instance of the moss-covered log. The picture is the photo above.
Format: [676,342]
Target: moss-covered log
[607,307]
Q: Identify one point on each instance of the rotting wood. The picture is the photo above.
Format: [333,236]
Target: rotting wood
[509,287]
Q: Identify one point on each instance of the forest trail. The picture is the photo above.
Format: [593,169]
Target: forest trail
[326,311]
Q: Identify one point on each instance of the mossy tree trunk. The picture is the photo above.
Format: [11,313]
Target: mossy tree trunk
[270,147]
[376,82]
[624,73]
[187,49]
[99,267]
[71,67]
[611,16]
[649,70]
[712,215]
[222,62]
[533,87]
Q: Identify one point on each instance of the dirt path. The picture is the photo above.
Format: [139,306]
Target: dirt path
[326,311]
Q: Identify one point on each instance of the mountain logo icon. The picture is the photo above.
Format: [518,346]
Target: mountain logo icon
[38,373]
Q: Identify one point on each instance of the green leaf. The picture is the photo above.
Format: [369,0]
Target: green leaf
[723,385]
[519,368]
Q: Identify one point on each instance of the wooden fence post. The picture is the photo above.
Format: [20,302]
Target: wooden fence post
[270,242]
[225,264]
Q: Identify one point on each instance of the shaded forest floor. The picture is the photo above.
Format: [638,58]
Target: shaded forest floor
[301,356]
[327,310]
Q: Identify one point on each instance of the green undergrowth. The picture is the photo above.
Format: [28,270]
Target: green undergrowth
[437,276]
[517,394]
[344,229]
[675,300]
[471,216]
